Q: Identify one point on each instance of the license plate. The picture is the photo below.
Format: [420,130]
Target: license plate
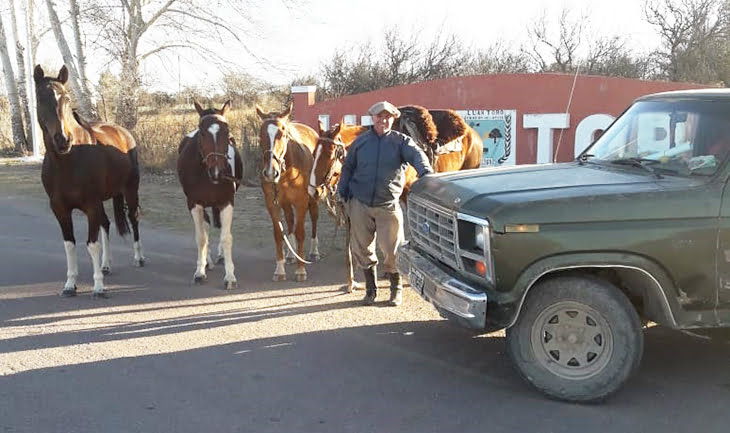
[416,279]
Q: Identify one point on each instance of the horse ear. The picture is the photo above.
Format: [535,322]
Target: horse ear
[38,73]
[226,107]
[338,127]
[63,74]
[260,112]
[198,107]
[320,126]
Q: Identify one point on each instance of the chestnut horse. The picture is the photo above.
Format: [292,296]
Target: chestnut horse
[448,141]
[329,155]
[83,176]
[285,168]
[210,170]
[77,131]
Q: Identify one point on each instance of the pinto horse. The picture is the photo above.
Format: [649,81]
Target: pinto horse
[78,131]
[332,147]
[285,168]
[83,176]
[210,169]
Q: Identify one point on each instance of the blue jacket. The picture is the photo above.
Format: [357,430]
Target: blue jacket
[374,169]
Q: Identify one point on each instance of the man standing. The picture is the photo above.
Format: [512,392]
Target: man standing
[371,183]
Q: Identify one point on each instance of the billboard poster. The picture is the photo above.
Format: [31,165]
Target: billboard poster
[498,131]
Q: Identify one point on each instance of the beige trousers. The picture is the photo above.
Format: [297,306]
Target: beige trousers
[370,225]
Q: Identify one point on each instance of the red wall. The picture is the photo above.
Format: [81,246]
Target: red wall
[526,93]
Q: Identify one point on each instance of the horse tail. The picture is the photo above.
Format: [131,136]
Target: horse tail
[216,218]
[120,218]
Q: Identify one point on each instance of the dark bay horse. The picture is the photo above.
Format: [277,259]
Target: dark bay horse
[286,165]
[83,176]
[332,147]
[77,131]
[210,170]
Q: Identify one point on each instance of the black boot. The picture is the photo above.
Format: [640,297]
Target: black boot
[396,289]
[370,287]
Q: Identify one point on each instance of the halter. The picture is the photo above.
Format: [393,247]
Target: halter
[340,154]
[228,157]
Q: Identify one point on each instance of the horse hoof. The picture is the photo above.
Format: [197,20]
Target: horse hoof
[139,263]
[279,277]
[220,260]
[302,277]
[199,279]
[353,287]
[106,270]
[68,292]
[99,295]
[315,257]
[230,285]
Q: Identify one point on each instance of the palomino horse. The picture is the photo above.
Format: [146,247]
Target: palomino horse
[329,155]
[210,170]
[82,177]
[78,131]
[286,164]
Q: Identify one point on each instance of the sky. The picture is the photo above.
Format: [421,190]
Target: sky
[296,41]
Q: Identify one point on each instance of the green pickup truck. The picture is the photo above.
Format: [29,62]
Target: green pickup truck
[573,258]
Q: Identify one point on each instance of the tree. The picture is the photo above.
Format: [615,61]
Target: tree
[694,39]
[498,59]
[19,139]
[20,62]
[551,54]
[80,92]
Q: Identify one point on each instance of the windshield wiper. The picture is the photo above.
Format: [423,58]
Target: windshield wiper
[639,162]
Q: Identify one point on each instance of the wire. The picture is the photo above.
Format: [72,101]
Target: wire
[567,109]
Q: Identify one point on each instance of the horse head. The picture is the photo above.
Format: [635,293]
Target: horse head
[416,122]
[274,135]
[214,141]
[328,158]
[53,105]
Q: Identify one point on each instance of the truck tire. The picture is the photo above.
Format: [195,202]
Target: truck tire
[576,338]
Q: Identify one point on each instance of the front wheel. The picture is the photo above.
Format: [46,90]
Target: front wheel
[577,339]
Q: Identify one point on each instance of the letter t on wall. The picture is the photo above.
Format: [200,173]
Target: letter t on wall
[545,123]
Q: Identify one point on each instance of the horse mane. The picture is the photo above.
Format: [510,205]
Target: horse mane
[449,124]
[423,121]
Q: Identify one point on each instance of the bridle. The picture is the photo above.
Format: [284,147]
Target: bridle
[205,157]
[340,153]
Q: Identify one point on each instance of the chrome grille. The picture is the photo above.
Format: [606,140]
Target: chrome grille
[433,228]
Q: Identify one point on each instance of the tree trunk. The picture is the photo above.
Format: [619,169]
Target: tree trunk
[20,61]
[80,56]
[19,139]
[128,92]
[81,98]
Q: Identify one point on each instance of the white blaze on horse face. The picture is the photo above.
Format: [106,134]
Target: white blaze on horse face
[213,129]
[272,130]
[312,176]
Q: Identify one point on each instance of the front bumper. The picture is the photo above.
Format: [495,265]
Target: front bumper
[454,299]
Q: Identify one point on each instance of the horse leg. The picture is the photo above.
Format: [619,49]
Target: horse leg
[226,242]
[220,258]
[301,272]
[94,216]
[289,217]
[106,254]
[63,216]
[131,195]
[275,214]
[314,255]
[201,239]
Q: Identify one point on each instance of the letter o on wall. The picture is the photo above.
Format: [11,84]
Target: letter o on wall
[586,128]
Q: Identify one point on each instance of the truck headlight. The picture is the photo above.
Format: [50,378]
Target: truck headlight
[474,245]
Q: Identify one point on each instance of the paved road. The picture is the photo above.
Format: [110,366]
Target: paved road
[162,355]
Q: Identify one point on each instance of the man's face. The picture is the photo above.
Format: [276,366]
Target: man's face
[382,122]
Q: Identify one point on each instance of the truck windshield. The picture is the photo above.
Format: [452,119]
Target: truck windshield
[683,137]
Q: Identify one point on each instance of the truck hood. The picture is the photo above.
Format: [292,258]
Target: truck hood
[567,192]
